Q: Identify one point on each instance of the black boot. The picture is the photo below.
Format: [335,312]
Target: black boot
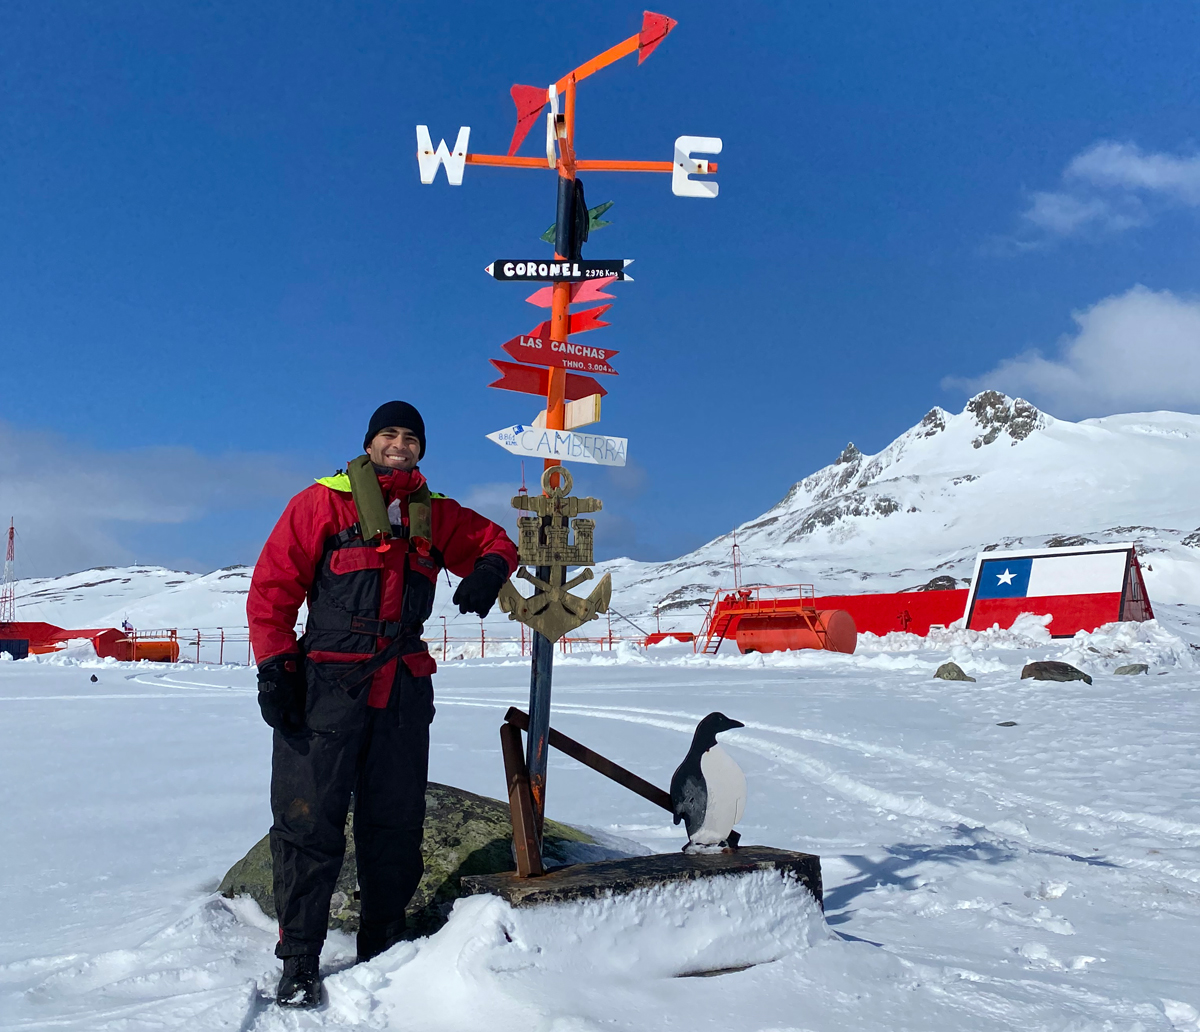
[373,941]
[300,985]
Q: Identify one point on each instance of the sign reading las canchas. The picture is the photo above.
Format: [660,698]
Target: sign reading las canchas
[562,354]
[564,445]
[522,270]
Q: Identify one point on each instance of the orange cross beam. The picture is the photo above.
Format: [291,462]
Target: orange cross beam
[582,164]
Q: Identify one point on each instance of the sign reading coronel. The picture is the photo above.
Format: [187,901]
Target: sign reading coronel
[537,269]
[562,445]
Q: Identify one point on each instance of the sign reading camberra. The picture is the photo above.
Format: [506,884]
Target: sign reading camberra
[563,445]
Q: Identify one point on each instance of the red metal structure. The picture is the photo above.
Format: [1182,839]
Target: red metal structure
[658,637]
[761,618]
[46,638]
[912,611]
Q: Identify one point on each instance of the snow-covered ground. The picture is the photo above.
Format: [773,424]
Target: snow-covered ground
[978,877]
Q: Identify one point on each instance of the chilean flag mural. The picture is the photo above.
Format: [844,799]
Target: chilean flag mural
[1080,588]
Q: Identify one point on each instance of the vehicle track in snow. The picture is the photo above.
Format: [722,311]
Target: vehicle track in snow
[1187,835]
[854,789]
[857,791]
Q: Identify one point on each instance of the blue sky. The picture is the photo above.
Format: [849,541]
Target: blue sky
[217,257]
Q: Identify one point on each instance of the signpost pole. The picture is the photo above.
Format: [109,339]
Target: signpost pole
[525,375]
[542,665]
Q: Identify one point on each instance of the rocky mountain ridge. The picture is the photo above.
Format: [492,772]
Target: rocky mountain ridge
[999,474]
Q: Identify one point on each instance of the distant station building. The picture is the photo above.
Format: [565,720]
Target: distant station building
[1079,588]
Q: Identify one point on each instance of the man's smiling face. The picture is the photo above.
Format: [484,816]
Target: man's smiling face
[396,447]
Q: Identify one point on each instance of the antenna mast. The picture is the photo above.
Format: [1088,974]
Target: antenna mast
[737,564]
[8,594]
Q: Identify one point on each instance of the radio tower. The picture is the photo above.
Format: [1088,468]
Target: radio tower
[8,594]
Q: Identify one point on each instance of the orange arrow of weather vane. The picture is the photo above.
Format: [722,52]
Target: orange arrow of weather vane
[560,129]
[531,99]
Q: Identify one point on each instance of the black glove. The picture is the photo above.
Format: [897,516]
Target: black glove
[281,692]
[479,588]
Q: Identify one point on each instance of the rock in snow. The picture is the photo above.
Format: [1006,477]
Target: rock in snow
[952,672]
[464,834]
[1051,670]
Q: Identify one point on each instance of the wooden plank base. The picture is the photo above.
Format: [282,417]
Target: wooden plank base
[591,881]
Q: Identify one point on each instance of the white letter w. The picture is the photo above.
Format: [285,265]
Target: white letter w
[429,159]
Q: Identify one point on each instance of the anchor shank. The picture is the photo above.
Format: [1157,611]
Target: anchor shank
[540,676]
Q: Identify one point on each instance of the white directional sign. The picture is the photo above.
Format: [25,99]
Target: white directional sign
[562,445]
[579,413]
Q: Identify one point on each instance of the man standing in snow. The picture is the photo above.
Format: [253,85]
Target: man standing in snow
[352,700]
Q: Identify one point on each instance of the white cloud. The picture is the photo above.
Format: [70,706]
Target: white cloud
[1126,166]
[1063,214]
[1136,351]
[73,503]
[1108,188]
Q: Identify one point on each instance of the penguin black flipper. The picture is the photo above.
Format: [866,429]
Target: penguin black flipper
[689,796]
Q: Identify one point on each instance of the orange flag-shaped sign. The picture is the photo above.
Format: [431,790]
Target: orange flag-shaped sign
[529,100]
[654,30]
[581,322]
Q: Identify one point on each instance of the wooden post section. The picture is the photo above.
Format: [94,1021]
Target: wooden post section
[525,836]
[600,764]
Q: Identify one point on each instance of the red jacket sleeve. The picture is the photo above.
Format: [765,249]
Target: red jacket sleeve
[285,571]
[462,536]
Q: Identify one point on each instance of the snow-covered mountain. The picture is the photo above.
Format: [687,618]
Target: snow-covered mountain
[1000,473]
[148,596]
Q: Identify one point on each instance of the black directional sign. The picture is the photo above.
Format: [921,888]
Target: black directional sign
[525,270]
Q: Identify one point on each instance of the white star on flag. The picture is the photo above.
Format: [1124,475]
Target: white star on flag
[1005,577]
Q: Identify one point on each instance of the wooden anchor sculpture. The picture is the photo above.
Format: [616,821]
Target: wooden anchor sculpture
[544,543]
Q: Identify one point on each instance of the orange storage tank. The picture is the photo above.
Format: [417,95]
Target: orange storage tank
[157,651]
[829,629]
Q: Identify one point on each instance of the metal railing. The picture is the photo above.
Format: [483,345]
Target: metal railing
[222,645]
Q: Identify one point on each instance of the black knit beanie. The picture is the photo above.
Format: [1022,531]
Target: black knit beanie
[396,413]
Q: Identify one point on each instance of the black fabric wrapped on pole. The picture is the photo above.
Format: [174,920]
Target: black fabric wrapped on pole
[582,221]
[565,216]
[571,227]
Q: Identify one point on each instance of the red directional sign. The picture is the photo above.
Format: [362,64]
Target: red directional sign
[561,354]
[581,293]
[532,380]
[581,322]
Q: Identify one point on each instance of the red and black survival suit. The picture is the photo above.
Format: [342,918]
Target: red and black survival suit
[367,694]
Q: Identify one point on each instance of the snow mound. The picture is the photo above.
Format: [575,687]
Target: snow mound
[1118,644]
[507,961]
[1098,651]
[492,964]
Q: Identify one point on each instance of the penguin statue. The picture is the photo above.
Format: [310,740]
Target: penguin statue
[708,790]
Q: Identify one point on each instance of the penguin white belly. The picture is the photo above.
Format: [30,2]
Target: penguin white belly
[726,787]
